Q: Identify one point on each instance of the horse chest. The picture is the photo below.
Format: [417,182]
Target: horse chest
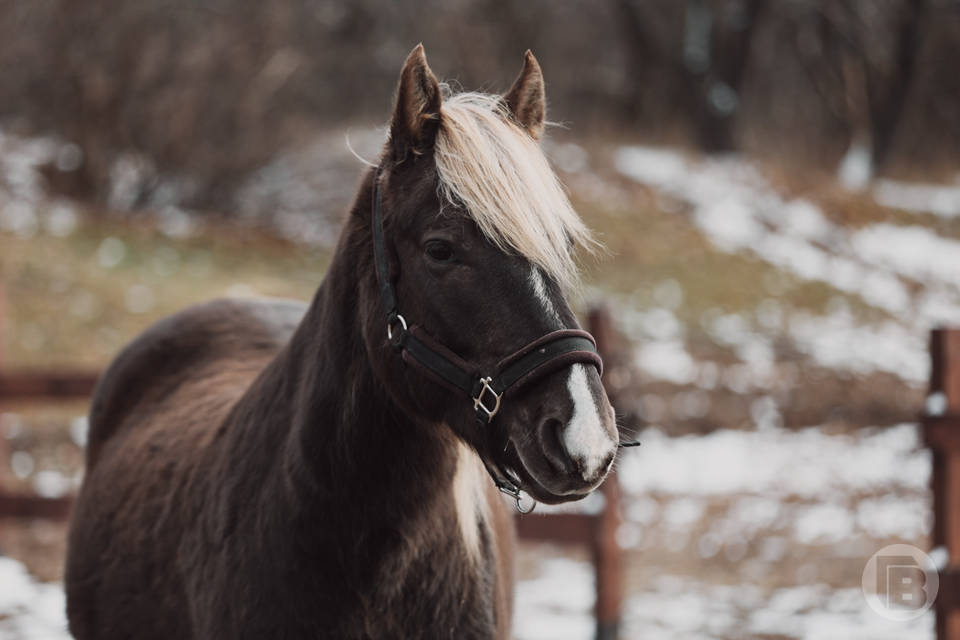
[441,580]
[433,576]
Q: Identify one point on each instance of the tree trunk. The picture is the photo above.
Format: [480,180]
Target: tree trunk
[728,43]
[887,102]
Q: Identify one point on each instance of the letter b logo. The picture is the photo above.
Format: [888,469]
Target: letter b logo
[900,582]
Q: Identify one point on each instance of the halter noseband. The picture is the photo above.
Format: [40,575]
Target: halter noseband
[486,390]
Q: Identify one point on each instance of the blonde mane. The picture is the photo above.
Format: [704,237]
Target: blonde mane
[491,166]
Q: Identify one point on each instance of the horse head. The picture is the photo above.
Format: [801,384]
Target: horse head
[477,241]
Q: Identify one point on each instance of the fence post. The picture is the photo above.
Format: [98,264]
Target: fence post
[4,451]
[941,427]
[5,473]
[607,554]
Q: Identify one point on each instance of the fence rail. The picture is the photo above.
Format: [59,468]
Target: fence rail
[36,387]
[39,387]
[46,385]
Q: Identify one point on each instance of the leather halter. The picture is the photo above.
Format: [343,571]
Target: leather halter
[487,390]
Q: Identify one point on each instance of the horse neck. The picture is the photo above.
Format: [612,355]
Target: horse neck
[348,442]
[342,482]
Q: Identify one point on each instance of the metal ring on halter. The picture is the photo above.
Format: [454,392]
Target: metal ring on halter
[515,493]
[509,484]
[392,322]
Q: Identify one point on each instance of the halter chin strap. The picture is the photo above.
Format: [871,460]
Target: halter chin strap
[487,390]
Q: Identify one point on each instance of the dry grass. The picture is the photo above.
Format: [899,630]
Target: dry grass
[66,309]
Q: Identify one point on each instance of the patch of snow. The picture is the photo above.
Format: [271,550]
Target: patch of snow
[557,604]
[836,341]
[681,513]
[674,608]
[823,523]
[667,360]
[856,168]
[915,252]
[51,484]
[29,610]
[752,513]
[61,220]
[817,612]
[175,222]
[567,156]
[655,166]
[892,517]
[740,212]
[79,428]
[807,464]
[940,200]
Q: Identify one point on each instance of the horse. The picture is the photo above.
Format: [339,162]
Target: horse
[266,469]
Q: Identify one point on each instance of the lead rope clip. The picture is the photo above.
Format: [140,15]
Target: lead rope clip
[515,493]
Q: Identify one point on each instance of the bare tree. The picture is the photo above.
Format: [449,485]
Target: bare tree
[705,47]
[870,67]
[716,45]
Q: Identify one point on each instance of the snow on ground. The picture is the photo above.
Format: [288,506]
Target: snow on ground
[806,463]
[803,486]
[739,211]
[837,341]
[907,271]
[29,610]
[940,200]
[557,605]
[754,502]
[677,609]
[24,207]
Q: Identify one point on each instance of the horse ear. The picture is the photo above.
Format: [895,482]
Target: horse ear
[526,99]
[416,114]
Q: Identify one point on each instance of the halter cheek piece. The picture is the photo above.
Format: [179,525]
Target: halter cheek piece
[487,391]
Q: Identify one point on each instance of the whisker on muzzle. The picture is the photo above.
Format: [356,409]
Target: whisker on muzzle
[631,440]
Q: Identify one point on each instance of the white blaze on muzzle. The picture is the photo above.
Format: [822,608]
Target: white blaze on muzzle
[584,437]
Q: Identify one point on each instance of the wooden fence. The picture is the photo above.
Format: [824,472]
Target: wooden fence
[35,387]
[941,428]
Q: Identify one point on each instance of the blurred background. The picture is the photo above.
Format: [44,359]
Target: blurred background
[777,184]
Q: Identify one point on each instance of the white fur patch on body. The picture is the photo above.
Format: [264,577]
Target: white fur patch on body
[584,436]
[469,495]
[490,165]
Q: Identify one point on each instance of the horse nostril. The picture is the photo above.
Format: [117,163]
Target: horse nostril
[554,449]
[607,463]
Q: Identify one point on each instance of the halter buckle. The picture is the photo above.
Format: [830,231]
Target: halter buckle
[478,401]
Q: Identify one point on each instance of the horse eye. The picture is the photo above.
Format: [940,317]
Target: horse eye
[440,250]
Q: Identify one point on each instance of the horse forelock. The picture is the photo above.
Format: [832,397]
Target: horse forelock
[489,165]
